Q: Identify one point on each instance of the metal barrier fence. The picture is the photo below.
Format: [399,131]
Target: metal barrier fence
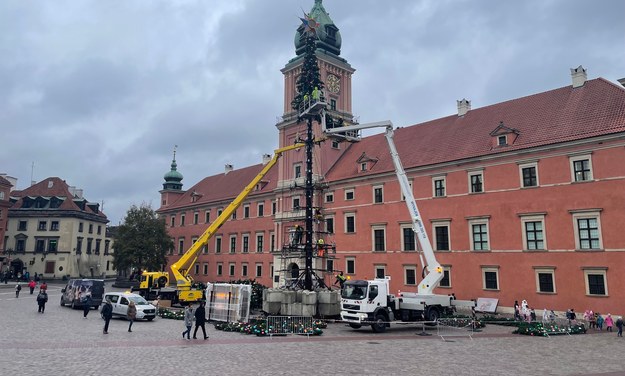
[285,325]
[447,328]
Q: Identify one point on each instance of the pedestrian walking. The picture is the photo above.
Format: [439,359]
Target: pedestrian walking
[188,321]
[609,323]
[131,314]
[107,313]
[42,299]
[44,286]
[31,285]
[517,313]
[200,320]
[86,301]
[18,288]
[600,321]
[619,326]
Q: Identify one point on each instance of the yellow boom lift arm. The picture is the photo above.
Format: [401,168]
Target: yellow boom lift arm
[180,268]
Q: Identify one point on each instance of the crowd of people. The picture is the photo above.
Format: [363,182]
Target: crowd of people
[592,320]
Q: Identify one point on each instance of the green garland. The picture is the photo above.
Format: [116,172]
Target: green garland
[258,327]
[548,329]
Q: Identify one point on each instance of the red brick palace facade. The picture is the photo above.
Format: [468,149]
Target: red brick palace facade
[523,199]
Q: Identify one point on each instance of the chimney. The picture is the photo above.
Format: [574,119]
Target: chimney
[266,159]
[578,75]
[228,169]
[463,107]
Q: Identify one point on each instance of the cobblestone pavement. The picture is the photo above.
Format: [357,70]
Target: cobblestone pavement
[61,342]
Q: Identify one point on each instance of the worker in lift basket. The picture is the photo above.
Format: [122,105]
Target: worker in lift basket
[340,279]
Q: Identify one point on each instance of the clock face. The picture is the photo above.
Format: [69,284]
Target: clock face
[333,83]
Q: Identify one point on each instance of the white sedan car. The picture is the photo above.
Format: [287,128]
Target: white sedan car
[120,301]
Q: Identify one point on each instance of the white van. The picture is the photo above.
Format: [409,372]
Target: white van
[120,301]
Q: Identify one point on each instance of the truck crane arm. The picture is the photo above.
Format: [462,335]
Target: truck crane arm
[180,268]
[434,269]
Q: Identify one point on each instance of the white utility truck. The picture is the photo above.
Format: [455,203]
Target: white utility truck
[370,302]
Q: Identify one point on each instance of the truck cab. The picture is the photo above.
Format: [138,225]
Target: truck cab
[367,303]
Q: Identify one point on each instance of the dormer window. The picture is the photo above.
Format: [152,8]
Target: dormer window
[365,163]
[503,136]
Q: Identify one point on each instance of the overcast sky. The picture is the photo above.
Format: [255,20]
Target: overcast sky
[99,92]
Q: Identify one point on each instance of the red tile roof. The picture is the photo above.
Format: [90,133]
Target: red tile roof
[52,187]
[552,117]
[226,186]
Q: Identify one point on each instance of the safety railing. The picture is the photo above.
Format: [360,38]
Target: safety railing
[285,325]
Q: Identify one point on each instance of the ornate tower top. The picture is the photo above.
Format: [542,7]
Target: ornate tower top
[173,178]
[329,37]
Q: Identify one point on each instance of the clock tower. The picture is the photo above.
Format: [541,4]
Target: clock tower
[336,73]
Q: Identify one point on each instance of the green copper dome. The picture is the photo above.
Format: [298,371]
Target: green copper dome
[173,174]
[173,178]
[329,37]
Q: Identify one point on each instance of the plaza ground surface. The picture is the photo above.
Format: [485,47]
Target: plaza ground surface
[61,342]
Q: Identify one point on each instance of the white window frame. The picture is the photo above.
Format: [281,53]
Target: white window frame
[330,218]
[494,269]
[504,138]
[260,249]
[329,197]
[245,237]
[374,188]
[245,269]
[246,211]
[373,230]
[219,239]
[353,215]
[599,271]
[196,217]
[545,270]
[258,209]
[232,249]
[533,218]
[479,221]
[439,178]
[413,268]
[205,268]
[258,272]
[363,166]
[586,214]
[576,158]
[207,216]
[407,226]
[377,267]
[479,173]
[350,190]
[347,261]
[528,165]
[596,270]
[196,268]
[442,223]
[301,171]
[232,267]
[220,269]
[299,203]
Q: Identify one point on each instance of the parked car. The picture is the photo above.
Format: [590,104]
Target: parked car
[120,301]
[76,289]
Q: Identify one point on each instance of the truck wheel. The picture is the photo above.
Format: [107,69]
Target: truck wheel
[380,323]
[73,305]
[162,281]
[433,314]
[355,326]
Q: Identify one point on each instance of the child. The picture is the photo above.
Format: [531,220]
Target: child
[599,321]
